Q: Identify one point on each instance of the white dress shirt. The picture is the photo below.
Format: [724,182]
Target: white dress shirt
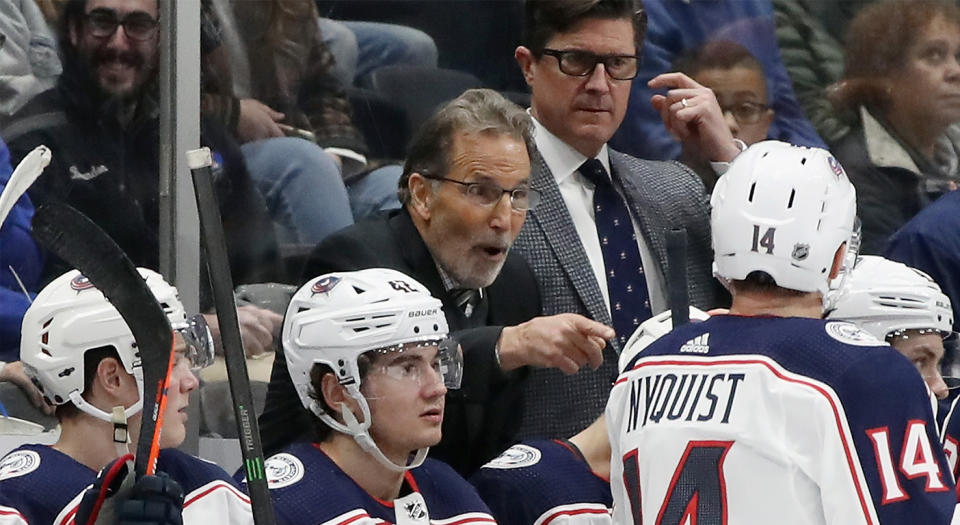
[577,194]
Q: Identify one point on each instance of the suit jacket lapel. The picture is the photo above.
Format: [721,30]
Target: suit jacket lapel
[644,207]
[551,217]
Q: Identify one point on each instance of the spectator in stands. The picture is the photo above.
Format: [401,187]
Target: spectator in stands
[101,123]
[810,36]
[738,81]
[278,81]
[79,350]
[579,58]
[368,355]
[360,47]
[677,26]
[466,194]
[28,55]
[902,76]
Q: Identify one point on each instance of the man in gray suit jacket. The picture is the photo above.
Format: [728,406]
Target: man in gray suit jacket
[579,59]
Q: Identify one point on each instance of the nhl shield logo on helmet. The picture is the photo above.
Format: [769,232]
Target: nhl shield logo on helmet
[800,251]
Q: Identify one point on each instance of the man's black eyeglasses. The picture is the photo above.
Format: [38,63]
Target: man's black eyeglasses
[579,63]
[487,194]
[103,23]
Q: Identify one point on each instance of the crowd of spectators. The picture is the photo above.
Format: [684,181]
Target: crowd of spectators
[634,115]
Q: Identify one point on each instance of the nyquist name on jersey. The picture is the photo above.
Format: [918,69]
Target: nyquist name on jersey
[686,397]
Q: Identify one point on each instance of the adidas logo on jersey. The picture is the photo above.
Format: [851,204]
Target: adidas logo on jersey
[697,345]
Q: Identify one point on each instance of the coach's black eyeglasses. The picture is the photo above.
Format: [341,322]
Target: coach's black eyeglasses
[522,198]
[578,63]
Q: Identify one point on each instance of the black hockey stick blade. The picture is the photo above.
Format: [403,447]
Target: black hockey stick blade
[73,237]
[677,266]
[218,268]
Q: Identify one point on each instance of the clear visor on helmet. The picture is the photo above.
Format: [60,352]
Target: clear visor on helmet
[421,363]
[198,342]
[950,366]
[935,353]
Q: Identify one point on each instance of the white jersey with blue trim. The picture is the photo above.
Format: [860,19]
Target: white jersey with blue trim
[41,485]
[309,488]
[774,420]
[544,482]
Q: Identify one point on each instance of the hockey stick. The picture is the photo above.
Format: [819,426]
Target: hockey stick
[677,267]
[20,180]
[73,237]
[218,268]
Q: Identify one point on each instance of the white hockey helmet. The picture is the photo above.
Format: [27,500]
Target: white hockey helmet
[883,297]
[649,331]
[783,210]
[70,317]
[335,318]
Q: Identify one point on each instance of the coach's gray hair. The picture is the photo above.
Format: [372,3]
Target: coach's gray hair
[481,111]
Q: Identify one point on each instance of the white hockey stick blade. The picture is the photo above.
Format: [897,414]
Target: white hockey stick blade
[27,171]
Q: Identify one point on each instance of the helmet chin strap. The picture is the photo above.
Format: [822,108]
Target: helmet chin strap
[360,432]
[82,404]
[118,417]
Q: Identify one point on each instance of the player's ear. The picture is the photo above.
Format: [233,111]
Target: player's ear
[113,380]
[838,261]
[334,393]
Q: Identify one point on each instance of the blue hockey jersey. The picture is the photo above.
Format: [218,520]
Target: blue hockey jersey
[44,486]
[541,482]
[309,488]
[948,418]
[775,420]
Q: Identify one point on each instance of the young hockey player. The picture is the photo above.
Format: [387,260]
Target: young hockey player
[367,354]
[770,414]
[83,357]
[905,307]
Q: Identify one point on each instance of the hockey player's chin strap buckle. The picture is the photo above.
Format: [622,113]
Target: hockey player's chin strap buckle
[119,420]
[118,417]
[121,432]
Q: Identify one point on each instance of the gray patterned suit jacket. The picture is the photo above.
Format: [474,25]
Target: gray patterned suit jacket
[661,196]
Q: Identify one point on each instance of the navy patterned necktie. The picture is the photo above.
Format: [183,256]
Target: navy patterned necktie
[626,283]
